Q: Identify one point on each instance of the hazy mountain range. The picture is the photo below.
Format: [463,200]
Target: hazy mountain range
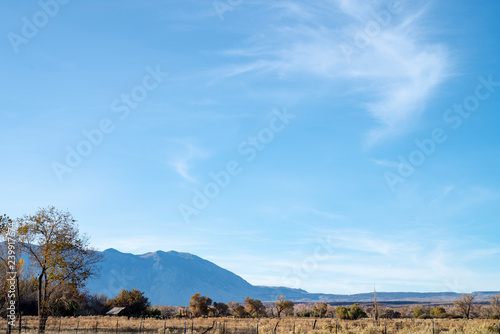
[171,278]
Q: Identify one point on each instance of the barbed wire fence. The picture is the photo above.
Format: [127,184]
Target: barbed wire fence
[118,325]
[62,325]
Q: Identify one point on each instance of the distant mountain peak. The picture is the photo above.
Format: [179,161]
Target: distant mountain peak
[111,250]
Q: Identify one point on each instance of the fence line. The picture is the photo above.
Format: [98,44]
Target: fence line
[108,325]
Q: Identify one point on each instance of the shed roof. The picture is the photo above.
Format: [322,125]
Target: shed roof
[115,310]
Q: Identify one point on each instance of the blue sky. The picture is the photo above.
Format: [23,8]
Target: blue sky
[355,142]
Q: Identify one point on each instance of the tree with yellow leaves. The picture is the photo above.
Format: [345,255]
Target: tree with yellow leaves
[283,305]
[59,254]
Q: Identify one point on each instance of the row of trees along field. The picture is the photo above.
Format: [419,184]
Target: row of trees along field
[466,307]
[59,262]
[254,308]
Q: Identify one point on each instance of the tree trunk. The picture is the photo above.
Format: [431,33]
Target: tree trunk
[42,320]
[42,314]
[40,278]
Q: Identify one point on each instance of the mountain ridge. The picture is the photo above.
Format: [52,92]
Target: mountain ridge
[171,278]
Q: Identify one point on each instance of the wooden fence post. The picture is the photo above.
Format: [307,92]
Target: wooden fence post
[116,331]
[185,325]
[77,324]
[140,327]
[164,325]
[257,332]
[96,323]
[60,320]
[275,327]
[294,326]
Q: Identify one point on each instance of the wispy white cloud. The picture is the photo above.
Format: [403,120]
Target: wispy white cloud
[324,214]
[411,76]
[182,167]
[182,163]
[386,163]
[395,74]
[445,191]
[434,265]
[360,241]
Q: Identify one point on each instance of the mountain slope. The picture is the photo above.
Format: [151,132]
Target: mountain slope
[171,278]
[168,278]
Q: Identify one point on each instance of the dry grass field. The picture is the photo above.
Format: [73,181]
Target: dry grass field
[88,325]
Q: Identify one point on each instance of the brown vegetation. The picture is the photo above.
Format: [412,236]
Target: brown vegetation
[229,325]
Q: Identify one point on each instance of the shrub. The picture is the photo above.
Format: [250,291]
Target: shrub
[390,314]
[356,312]
[342,312]
[153,312]
[306,314]
[438,312]
[418,312]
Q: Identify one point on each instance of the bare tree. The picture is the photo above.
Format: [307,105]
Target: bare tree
[283,305]
[57,251]
[495,304]
[466,304]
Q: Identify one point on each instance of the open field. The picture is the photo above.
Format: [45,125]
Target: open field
[88,325]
